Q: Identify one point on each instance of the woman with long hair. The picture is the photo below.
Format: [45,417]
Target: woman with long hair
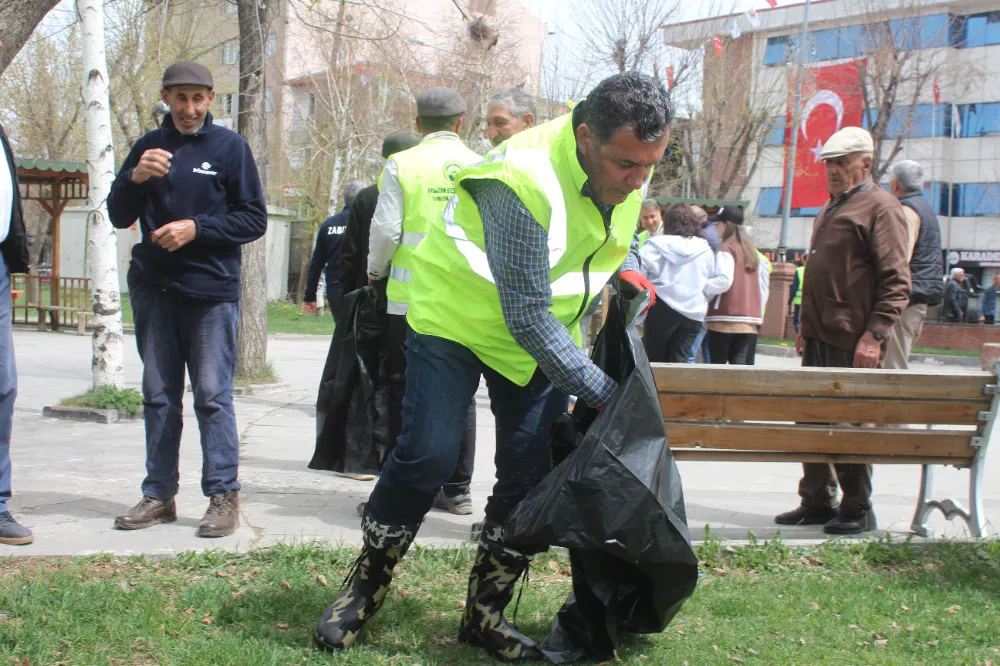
[681,266]
[733,317]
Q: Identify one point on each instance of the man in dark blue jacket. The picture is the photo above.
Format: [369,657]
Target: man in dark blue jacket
[326,255]
[195,190]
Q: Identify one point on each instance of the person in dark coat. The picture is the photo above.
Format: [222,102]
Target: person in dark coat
[956,297]
[13,259]
[326,255]
[196,192]
[354,246]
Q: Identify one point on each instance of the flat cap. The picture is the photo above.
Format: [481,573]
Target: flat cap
[846,141]
[397,143]
[440,103]
[188,73]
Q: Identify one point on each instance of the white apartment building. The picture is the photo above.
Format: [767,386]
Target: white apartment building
[961,37]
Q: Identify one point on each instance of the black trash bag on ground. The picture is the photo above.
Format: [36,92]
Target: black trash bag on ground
[352,408]
[616,502]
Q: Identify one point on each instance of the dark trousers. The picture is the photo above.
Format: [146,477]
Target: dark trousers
[796,309]
[669,336]
[333,300]
[174,332]
[731,348]
[8,384]
[443,377]
[818,487]
[462,478]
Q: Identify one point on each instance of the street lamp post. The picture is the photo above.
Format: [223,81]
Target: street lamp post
[796,119]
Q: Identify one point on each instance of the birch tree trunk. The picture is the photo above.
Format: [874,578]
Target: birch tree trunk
[108,359]
[251,335]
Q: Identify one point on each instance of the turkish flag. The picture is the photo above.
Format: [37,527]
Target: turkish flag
[832,99]
[670,77]
[773,3]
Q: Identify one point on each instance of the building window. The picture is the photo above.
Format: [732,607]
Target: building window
[978,120]
[977,30]
[269,101]
[305,105]
[978,199]
[769,201]
[229,104]
[231,52]
[231,7]
[777,51]
[913,122]
[922,32]
[937,194]
[271,47]
[823,45]
[776,134]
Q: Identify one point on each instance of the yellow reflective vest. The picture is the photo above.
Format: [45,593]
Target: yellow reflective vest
[426,175]
[453,294]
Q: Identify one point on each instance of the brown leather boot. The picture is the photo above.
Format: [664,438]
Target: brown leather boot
[148,512]
[223,515]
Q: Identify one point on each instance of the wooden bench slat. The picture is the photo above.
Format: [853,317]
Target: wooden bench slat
[834,440]
[715,455]
[847,382]
[714,407]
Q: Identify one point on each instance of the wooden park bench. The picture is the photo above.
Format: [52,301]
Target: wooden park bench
[747,413]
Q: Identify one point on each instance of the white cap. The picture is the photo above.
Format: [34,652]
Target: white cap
[846,141]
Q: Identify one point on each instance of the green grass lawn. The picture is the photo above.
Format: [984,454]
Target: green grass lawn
[281,318]
[864,603]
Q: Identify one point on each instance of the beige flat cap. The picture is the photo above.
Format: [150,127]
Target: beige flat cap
[846,141]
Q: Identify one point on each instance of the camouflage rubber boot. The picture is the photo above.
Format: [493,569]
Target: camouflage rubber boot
[491,587]
[366,585]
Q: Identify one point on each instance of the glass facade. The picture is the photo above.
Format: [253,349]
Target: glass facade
[914,122]
[978,120]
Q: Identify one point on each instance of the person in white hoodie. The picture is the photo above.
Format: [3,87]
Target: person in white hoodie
[681,266]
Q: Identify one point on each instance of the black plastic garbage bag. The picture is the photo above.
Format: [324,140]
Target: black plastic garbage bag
[616,502]
[352,408]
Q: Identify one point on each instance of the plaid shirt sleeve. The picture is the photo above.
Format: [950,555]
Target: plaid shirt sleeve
[632,261]
[517,250]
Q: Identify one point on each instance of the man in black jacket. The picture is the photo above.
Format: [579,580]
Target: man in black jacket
[354,247]
[195,189]
[956,297]
[14,259]
[326,255]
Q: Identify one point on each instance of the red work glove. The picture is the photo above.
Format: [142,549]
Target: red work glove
[639,281]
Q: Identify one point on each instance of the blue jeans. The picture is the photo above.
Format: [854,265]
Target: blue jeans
[441,381]
[701,342]
[173,331]
[8,383]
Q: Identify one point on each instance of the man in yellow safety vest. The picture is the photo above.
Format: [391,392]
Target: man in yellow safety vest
[534,232]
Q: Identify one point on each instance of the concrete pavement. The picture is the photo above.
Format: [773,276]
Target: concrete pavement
[72,479]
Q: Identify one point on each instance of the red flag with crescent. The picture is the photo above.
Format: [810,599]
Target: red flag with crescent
[832,99]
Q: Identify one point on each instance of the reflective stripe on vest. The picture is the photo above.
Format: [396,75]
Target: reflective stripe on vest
[401,274]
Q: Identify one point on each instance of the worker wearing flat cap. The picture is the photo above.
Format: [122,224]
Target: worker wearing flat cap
[857,285]
[414,188]
[194,187]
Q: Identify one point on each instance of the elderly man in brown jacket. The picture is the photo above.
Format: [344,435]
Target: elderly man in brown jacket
[857,285]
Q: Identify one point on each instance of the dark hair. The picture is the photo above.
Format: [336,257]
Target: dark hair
[632,100]
[680,220]
[431,124]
